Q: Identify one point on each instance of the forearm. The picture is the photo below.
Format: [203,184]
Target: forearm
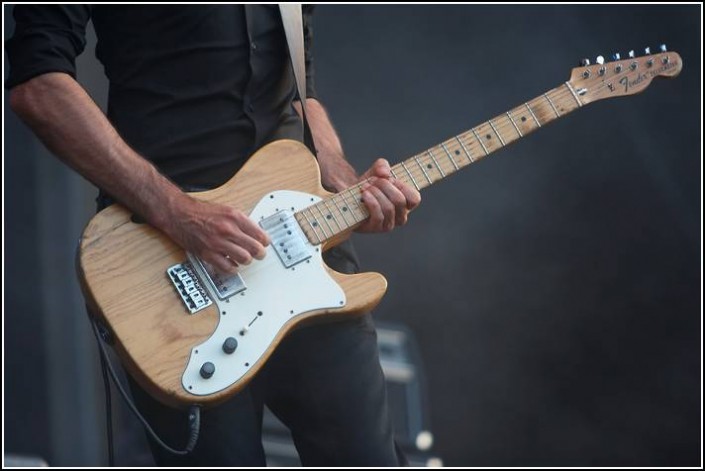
[72,126]
[336,172]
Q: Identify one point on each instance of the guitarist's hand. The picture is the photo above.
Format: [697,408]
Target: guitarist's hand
[387,199]
[219,235]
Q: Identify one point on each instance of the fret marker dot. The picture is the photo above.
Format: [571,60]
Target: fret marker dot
[523,118]
[457,152]
[428,166]
[329,216]
[345,208]
[314,224]
[488,137]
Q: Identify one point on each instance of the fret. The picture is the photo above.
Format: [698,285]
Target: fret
[480,141]
[532,114]
[316,223]
[495,131]
[443,174]
[514,124]
[341,211]
[416,158]
[457,138]
[450,157]
[332,232]
[410,176]
[308,221]
[357,207]
[318,220]
[331,213]
[575,95]
[558,115]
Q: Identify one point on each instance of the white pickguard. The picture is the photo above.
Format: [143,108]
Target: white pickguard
[278,293]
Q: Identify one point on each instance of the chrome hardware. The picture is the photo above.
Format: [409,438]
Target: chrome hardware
[601,71]
[618,68]
[647,50]
[631,54]
[633,65]
[650,63]
[586,73]
[662,48]
[616,56]
[599,60]
[225,286]
[184,279]
[584,62]
[665,60]
[288,239]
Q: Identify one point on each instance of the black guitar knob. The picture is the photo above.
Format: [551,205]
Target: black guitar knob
[207,370]
[230,345]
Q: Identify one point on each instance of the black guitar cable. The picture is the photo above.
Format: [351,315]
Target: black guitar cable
[194,414]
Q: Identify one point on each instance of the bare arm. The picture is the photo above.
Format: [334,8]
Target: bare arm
[387,199]
[72,126]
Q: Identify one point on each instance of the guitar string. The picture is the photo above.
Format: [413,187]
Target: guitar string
[558,94]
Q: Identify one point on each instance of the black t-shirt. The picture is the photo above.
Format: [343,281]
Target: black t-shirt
[195,89]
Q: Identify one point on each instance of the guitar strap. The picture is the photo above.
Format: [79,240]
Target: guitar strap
[294,30]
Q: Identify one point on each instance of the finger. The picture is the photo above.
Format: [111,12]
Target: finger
[412,195]
[236,254]
[381,168]
[249,227]
[252,246]
[376,218]
[386,207]
[396,197]
[220,263]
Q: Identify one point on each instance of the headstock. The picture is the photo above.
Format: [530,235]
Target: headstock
[622,77]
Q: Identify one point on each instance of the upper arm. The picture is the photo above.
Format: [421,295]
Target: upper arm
[47,38]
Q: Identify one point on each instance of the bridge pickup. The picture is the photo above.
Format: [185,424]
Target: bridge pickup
[187,285]
[224,285]
[288,239]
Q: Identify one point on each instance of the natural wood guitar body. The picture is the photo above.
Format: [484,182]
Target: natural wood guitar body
[122,266]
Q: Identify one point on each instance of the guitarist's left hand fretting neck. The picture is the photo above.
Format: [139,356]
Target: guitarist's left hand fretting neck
[345,211]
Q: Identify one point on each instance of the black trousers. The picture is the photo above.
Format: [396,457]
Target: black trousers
[324,382]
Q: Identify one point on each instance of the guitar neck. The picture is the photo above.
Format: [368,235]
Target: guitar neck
[344,211]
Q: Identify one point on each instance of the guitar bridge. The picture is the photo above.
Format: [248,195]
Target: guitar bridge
[189,288]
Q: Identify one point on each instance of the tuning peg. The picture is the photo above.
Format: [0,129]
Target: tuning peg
[616,56]
[647,50]
[599,60]
[631,54]
[584,62]
[662,48]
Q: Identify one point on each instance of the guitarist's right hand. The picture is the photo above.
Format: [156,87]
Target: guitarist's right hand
[219,235]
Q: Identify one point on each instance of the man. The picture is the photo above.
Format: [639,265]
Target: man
[194,91]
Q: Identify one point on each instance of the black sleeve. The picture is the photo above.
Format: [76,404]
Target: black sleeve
[47,38]
[307,14]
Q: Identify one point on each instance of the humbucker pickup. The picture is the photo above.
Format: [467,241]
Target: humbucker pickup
[288,239]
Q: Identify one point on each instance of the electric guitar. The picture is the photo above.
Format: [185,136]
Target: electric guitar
[191,336]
